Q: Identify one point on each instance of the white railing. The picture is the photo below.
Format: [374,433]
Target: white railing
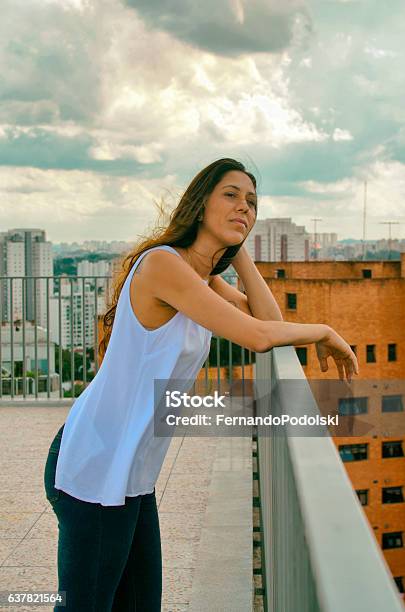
[319,549]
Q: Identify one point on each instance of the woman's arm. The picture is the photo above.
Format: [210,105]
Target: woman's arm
[259,296]
[230,293]
[169,279]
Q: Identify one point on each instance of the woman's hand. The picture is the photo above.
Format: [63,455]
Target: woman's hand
[334,346]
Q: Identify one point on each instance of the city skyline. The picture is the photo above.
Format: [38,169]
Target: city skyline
[90,239]
[307,94]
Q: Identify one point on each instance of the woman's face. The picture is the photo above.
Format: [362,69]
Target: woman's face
[233,197]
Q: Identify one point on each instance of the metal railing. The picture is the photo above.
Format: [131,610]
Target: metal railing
[31,330]
[320,552]
[68,333]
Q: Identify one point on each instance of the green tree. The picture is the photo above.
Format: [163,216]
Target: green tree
[78,364]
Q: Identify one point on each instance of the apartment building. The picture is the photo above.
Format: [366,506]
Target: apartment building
[73,311]
[94,268]
[278,240]
[364,302]
[25,252]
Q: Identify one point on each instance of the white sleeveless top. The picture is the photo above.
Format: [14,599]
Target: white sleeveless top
[108,449]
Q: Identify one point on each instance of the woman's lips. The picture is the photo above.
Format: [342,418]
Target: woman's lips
[239,222]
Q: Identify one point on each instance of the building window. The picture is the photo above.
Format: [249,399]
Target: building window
[353,452]
[354,348]
[392,352]
[258,247]
[370,353]
[284,247]
[280,273]
[392,539]
[352,405]
[362,494]
[392,495]
[392,449]
[367,273]
[292,301]
[301,354]
[392,403]
[399,582]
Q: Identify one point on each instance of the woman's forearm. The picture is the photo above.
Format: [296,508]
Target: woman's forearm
[284,333]
[260,298]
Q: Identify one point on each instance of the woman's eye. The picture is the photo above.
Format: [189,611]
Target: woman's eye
[251,203]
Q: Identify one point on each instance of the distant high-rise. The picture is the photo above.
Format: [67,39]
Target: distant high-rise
[94,268]
[326,243]
[25,252]
[278,240]
[73,312]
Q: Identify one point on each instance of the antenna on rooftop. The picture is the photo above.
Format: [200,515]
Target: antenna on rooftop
[389,223]
[363,255]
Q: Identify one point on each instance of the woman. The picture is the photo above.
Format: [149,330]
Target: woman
[103,464]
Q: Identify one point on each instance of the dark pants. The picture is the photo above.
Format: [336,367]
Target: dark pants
[109,557]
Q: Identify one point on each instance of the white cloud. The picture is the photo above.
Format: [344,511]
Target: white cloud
[339,134]
[76,205]
[379,53]
[340,187]
[238,10]
[144,154]
[385,185]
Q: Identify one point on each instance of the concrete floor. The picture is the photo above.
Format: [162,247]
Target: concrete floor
[205,511]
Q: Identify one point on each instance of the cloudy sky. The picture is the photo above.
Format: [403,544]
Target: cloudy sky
[108,105]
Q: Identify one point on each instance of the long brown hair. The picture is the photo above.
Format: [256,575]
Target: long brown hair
[181,231]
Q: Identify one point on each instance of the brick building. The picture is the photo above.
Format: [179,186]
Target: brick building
[364,302]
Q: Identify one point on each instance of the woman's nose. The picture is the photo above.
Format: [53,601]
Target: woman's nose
[243,205]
